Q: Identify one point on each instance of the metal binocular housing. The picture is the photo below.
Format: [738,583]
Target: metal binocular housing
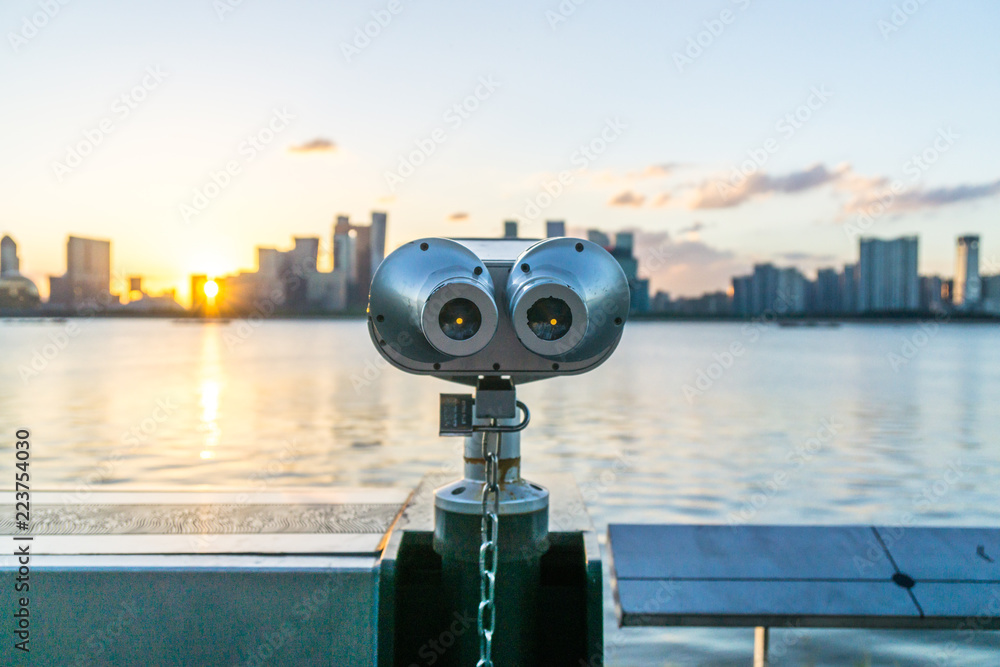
[460,309]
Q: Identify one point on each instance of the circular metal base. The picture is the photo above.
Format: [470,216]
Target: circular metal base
[465,496]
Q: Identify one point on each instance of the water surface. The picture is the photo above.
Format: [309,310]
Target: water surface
[687,422]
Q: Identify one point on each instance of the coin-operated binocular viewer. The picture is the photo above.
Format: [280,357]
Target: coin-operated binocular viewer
[495,313]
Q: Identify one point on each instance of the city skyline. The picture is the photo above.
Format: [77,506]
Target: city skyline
[315,278]
[666,120]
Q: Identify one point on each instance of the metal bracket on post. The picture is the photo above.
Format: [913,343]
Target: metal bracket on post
[492,517]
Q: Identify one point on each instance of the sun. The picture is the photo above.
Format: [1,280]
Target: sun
[211,289]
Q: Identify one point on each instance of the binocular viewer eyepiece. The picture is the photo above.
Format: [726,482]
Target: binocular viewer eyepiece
[464,308]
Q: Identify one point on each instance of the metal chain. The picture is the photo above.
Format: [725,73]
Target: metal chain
[488,547]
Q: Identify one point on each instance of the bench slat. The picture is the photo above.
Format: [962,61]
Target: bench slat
[806,576]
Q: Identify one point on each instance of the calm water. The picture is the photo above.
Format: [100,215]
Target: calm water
[163,405]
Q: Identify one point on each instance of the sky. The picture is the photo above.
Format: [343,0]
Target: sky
[724,132]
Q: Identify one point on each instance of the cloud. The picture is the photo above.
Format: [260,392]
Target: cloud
[805,257]
[663,200]
[458,217]
[728,192]
[693,228]
[654,171]
[685,267]
[628,198]
[920,199]
[318,145]
[878,191]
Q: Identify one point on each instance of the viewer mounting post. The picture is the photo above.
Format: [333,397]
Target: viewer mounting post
[493,313]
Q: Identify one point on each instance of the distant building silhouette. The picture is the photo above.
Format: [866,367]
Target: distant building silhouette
[510,229]
[825,293]
[849,289]
[290,282]
[87,280]
[990,302]
[357,252]
[9,263]
[887,279]
[770,290]
[600,238]
[16,291]
[968,287]
[931,290]
[554,228]
[624,252]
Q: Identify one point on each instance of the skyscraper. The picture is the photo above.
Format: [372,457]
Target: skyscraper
[16,291]
[770,290]
[377,242]
[827,294]
[887,276]
[849,289]
[87,280]
[599,237]
[638,287]
[968,287]
[9,263]
[555,228]
[510,229]
[357,252]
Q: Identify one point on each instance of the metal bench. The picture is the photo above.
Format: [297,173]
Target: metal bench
[806,576]
[216,577]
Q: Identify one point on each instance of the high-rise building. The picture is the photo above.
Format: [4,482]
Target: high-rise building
[357,252]
[849,289]
[510,229]
[990,301]
[198,298]
[555,228]
[87,280]
[967,284]
[16,291]
[742,287]
[826,297]
[600,238]
[623,251]
[887,277]
[296,267]
[770,290]
[763,289]
[930,294]
[9,263]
